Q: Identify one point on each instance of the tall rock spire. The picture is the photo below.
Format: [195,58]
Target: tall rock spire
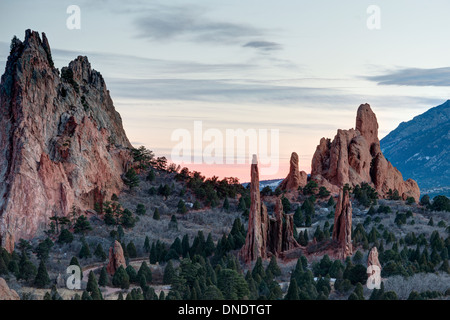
[342,229]
[255,242]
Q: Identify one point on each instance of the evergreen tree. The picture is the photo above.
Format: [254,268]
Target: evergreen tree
[132,275]
[92,287]
[121,278]
[100,253]
[185,245]
[145,271]
[42,279]
[226,204]
[131,249]
[156,215]
[140,209]
[147,244]
[131,179]
[65,236]
[27,269]
[82,225]
[292,293]
[181,207]
[209,246]
[258,269]
[273,267]
[299,219]
[169,273]
[85,252]
[153,255]
[103,279]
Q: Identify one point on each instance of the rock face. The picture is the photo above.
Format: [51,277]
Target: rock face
[62,143]
[342,229]
[372,259]
[116,258]
[266,236]
[295,178]
[6,293]
[255,242]
[354,156]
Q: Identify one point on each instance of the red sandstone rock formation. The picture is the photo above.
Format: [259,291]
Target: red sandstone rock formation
[116,258]
[266,236]
[61,140]
[342,229]
[255,242]
[6,293]
[354,156]
[372,259]
[295,178]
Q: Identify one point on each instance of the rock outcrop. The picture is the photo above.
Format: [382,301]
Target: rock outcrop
[6,293]
[255,241]
[62,143]
[342,228]
[295,178]
[116,258]
[266,235]
[354,156]
[372,259]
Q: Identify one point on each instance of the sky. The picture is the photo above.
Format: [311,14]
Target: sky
[299,68]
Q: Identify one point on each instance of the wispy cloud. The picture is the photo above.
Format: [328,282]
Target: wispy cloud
[415,77]
[191,23]
[263,45]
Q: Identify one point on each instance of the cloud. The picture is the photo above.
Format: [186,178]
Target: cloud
[190,23]
[263,45]
[439,77]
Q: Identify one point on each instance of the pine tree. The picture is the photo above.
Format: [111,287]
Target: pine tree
[153,255]
[131,273]
[169,273]
[27,269]
[100,253]
[42,279]
[226,204]
[292,293]
[273,267]
[92,287]
[103,279]
[140,209]
[131,249]
[121,278]
[144,270]
[185,245]
[156,215]
[82,225]
[85,252]
[147,244]
[258,269]
[131,178]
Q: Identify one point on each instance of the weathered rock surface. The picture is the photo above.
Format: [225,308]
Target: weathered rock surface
[61,141]
[354,156]
[372,259]
[255,242]
[116,258]
[342,228]
[6,293]
[266,236]
[295,178]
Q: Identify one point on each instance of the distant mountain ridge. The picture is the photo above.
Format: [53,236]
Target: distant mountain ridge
[420,149]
